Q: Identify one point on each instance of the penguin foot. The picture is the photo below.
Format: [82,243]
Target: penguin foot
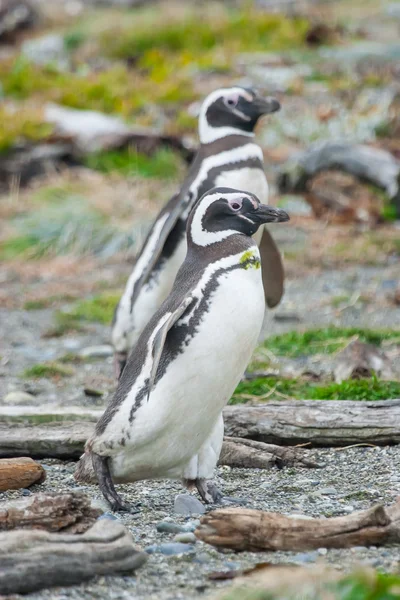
[101,466]
[208,491]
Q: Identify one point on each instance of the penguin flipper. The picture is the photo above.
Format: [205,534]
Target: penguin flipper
[273,273]
[161,336]
[175,212]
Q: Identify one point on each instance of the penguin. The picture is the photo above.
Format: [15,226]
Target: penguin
[228,155]
[165,419]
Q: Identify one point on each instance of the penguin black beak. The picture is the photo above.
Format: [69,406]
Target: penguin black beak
[269,214]
[265,106]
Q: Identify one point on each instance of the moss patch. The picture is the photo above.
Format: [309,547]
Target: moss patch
[164,164]
[323,341]
[99,309]
[47,370]
[273,388]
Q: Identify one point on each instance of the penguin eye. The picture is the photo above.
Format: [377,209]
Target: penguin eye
[231,102]
[236,205]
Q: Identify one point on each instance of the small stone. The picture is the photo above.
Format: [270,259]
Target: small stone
[185,538]
[191,525]
[306,557]
[166,527]
[323,551]
[26,492]
[47,49]
[169,549]
[185,504]
[107,516]
[102,351]
[18,397]
[328,491]
[100,504]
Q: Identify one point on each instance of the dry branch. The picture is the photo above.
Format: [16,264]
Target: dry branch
[255,530]
[16,473]
[67,512]
[33,560]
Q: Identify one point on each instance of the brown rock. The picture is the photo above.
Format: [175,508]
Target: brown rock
[16,473]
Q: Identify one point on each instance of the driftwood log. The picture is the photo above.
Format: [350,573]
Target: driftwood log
[70,512]
[16,473]
[33,560]
[256,530]
[373,165]
[55,432]
[242,453]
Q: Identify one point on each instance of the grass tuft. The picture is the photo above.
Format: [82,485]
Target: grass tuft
[99,309]
[274,388]
[164,164]
[47,370]
[323,341]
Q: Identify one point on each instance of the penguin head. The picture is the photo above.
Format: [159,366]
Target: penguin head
[230,111]
[223,212]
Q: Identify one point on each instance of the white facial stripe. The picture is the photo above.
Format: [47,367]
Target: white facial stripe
[201,236]
[240,114]
[209,134]
[239,154]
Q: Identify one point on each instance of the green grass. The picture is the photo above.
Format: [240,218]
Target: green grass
[274,388]
[359,585]
[47,370]
[164,164]
[323,341]
[99,309]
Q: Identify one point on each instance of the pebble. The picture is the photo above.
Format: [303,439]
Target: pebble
[185,504]
[169,549]
[323,551]
[185,538]
[328,491]
[305,557]
[18,397]
[191,525]
[102,351]
[166,527]
[26,492]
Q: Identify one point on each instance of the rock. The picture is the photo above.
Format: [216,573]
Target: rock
[169,549]
[18,397]
[295,205]
[92,393]
[26,492]
[305,557]
[17,473]
[185,538]
[185,504]
[191,525]
[100,504]
[102,351]
[323,551]
[166,527]
[49,49]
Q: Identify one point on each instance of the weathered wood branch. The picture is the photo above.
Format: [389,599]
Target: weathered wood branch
[16,473]
[255,530]
[56,432]
[243,453]
[33,560]
[70,512]
[322,423]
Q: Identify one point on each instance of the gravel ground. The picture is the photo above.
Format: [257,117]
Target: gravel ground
[352,479]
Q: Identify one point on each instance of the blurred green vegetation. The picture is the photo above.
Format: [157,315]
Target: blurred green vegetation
[164,164]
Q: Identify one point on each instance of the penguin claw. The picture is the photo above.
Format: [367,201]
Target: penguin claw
[121,506]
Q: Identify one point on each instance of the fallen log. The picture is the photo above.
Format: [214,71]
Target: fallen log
[373,165]
[256,530]
[249,454]
[16,473]
[33,560]
[70,512]
[57,432]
